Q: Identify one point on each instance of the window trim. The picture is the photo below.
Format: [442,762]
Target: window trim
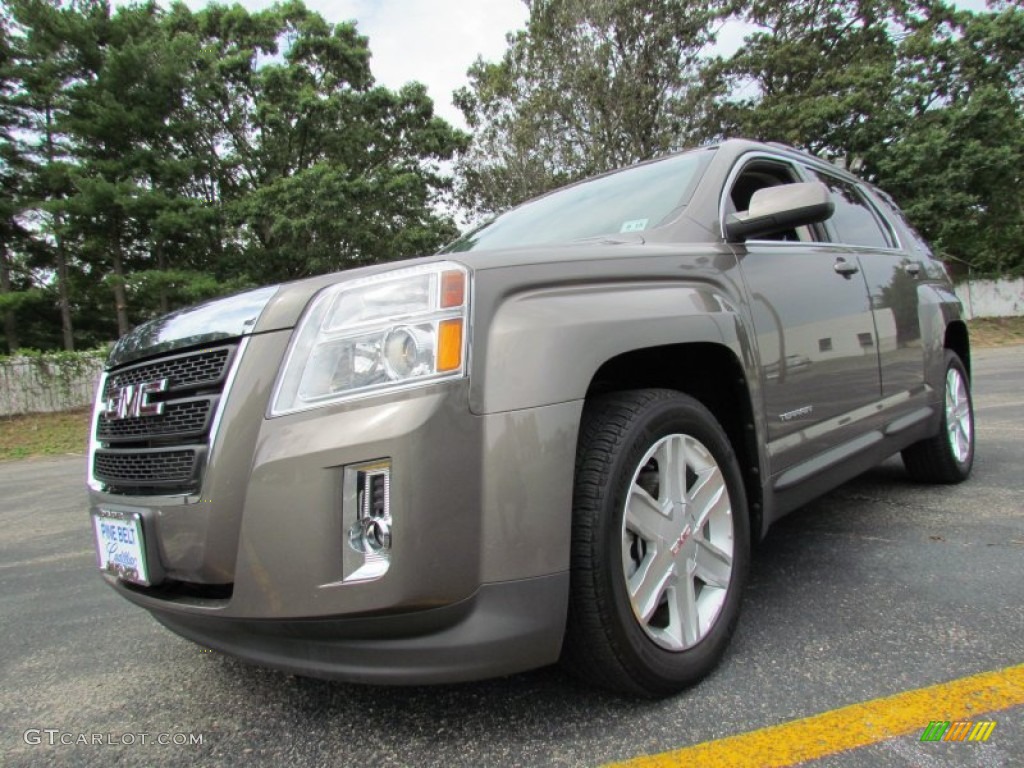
[897,221]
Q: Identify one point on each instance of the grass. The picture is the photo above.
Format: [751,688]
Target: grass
[44,434]
[996,331]
[48,434]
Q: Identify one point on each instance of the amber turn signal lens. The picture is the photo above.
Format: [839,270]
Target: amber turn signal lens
[449,345]
[453,289]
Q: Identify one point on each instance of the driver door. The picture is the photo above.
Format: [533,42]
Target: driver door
[815,334]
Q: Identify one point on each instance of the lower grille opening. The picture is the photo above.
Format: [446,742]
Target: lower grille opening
[183,590]
[149,471]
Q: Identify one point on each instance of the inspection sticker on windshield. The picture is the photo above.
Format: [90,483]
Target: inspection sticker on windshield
[120,548]
[634,225]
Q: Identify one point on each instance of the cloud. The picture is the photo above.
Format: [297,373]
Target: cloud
[430,41]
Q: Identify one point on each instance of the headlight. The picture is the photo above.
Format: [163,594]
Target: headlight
[393,330]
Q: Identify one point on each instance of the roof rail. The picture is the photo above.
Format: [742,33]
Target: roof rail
[780,145]
[830,161]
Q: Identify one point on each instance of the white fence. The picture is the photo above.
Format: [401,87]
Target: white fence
[992,298]
[46,383]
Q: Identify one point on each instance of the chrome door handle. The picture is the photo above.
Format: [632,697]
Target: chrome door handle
[913,269]
[845,268]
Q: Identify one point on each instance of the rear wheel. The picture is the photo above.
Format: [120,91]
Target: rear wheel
[660,548]
[948,456]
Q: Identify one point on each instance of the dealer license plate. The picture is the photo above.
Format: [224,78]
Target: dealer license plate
[120,547]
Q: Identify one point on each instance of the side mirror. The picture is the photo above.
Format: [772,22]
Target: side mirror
[777,209]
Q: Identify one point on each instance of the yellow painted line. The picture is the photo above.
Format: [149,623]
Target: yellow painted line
[857,725]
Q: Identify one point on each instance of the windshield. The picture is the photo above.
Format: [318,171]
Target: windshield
[633,200]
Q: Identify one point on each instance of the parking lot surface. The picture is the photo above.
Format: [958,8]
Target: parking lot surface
[881,587]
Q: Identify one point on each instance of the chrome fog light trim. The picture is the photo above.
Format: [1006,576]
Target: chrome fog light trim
[366,520]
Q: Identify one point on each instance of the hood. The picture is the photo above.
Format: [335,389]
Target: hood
[211,321]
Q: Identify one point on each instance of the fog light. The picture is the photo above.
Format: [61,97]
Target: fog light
[366,509]
[376,534]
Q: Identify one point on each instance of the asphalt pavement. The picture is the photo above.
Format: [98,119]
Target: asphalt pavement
[880,587]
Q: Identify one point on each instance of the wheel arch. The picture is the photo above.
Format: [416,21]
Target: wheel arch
[957,340]
[712,374]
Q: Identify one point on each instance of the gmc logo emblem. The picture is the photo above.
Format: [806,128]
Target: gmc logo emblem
[132,401]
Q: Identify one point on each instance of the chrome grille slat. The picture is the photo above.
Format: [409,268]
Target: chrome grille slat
[180,419]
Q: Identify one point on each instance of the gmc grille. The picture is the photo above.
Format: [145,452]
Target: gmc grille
[161,453]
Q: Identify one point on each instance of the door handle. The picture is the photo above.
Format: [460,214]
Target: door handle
[913,269]
[845,268]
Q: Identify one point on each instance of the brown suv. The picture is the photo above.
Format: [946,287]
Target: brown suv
[556,438]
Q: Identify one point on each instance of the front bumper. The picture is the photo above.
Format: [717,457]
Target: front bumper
[503,629]
[253,564]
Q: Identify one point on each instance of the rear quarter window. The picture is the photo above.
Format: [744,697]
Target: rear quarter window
[916,240]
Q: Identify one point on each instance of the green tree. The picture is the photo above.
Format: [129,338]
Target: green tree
[10,229]
[132,204]
[815,74]
[916,95]
[587,86]
[169,155]
[45,43]
[347,172]
[955,156]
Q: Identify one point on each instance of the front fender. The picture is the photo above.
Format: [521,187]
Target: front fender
[543,345]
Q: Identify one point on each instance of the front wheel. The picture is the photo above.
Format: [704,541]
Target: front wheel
[948,456]
[660,546]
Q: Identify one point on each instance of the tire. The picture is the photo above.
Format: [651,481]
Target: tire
[635,624]
[948,456]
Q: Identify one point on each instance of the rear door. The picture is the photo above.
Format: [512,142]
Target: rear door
[892,279]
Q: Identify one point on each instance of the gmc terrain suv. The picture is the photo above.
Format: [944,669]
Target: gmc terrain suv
[555,439]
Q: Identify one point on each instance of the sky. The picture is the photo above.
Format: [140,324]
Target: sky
[432,41]
[435,41]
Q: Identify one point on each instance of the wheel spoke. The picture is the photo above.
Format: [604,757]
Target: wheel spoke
[648,583]
[644,515]
[684,620]
[714,566]
[672,469]
[706,496]
[962,441]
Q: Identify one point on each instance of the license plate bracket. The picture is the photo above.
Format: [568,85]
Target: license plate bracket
[121,547]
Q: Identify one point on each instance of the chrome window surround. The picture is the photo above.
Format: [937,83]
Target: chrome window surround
[801,168]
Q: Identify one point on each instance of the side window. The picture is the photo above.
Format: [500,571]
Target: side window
[854,220]
[915,237]
[759,174]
